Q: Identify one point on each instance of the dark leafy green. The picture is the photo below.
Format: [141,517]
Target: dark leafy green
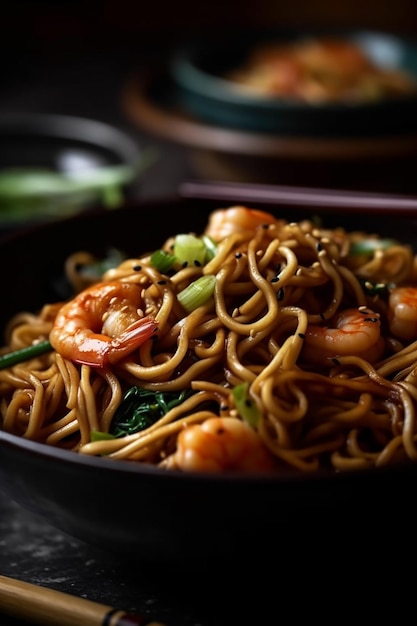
[374,288]
[141,408]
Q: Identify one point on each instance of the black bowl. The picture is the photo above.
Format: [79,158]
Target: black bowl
[199,69]
[53,166]
[157,515]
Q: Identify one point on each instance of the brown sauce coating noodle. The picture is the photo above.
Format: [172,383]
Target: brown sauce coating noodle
[280,289]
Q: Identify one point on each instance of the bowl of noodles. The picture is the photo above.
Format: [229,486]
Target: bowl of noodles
[202,378]
[325,83]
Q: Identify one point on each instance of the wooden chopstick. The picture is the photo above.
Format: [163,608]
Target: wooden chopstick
[47,607]
[326,199]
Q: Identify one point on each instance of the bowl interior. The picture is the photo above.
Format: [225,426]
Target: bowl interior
[157,515]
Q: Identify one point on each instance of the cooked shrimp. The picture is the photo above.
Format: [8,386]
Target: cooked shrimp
[102,324]
[352,332]
[336,57]
[236,219]
[403,312]
[221,444]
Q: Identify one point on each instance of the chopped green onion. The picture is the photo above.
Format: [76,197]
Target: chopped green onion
[197,292]
[162,261]
[190,250]
[246,407]
[211,247]
[369,246]
[98,435]
[18,356]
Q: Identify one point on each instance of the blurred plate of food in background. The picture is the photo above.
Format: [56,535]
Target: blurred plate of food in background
[301,83]
[376,161]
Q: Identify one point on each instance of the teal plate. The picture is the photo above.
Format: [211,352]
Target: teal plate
[198,71]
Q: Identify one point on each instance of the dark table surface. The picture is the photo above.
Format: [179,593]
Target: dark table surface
[31,549]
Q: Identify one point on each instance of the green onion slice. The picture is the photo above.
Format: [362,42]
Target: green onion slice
[369,246]
[190,250]
[162,261]
[98,435]
[246,407]
[197,293]
[18,356]
[211,247]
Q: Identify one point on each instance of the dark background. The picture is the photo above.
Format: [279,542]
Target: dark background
[75,58]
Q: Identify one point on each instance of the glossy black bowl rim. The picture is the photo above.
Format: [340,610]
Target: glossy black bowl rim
[71,127]
[117,467]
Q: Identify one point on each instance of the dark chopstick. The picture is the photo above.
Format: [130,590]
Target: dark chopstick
[47,607]
[326,199]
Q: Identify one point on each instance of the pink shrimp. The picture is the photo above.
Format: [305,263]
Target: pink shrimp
[102,324]
[352,332]
[402,313]
[221,444]
[236,219]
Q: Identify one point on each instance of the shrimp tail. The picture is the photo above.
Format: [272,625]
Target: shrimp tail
[99,351]
[133,337]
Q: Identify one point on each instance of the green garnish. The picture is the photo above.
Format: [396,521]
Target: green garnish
[197,292]
[19,356]
[98,435]
[141,408]
[370,246]
[189,250]
[163,261]
[211,247]
[27,191]
[374,289]
[246,407]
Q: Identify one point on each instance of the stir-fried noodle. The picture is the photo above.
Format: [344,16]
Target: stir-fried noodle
[295,349]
